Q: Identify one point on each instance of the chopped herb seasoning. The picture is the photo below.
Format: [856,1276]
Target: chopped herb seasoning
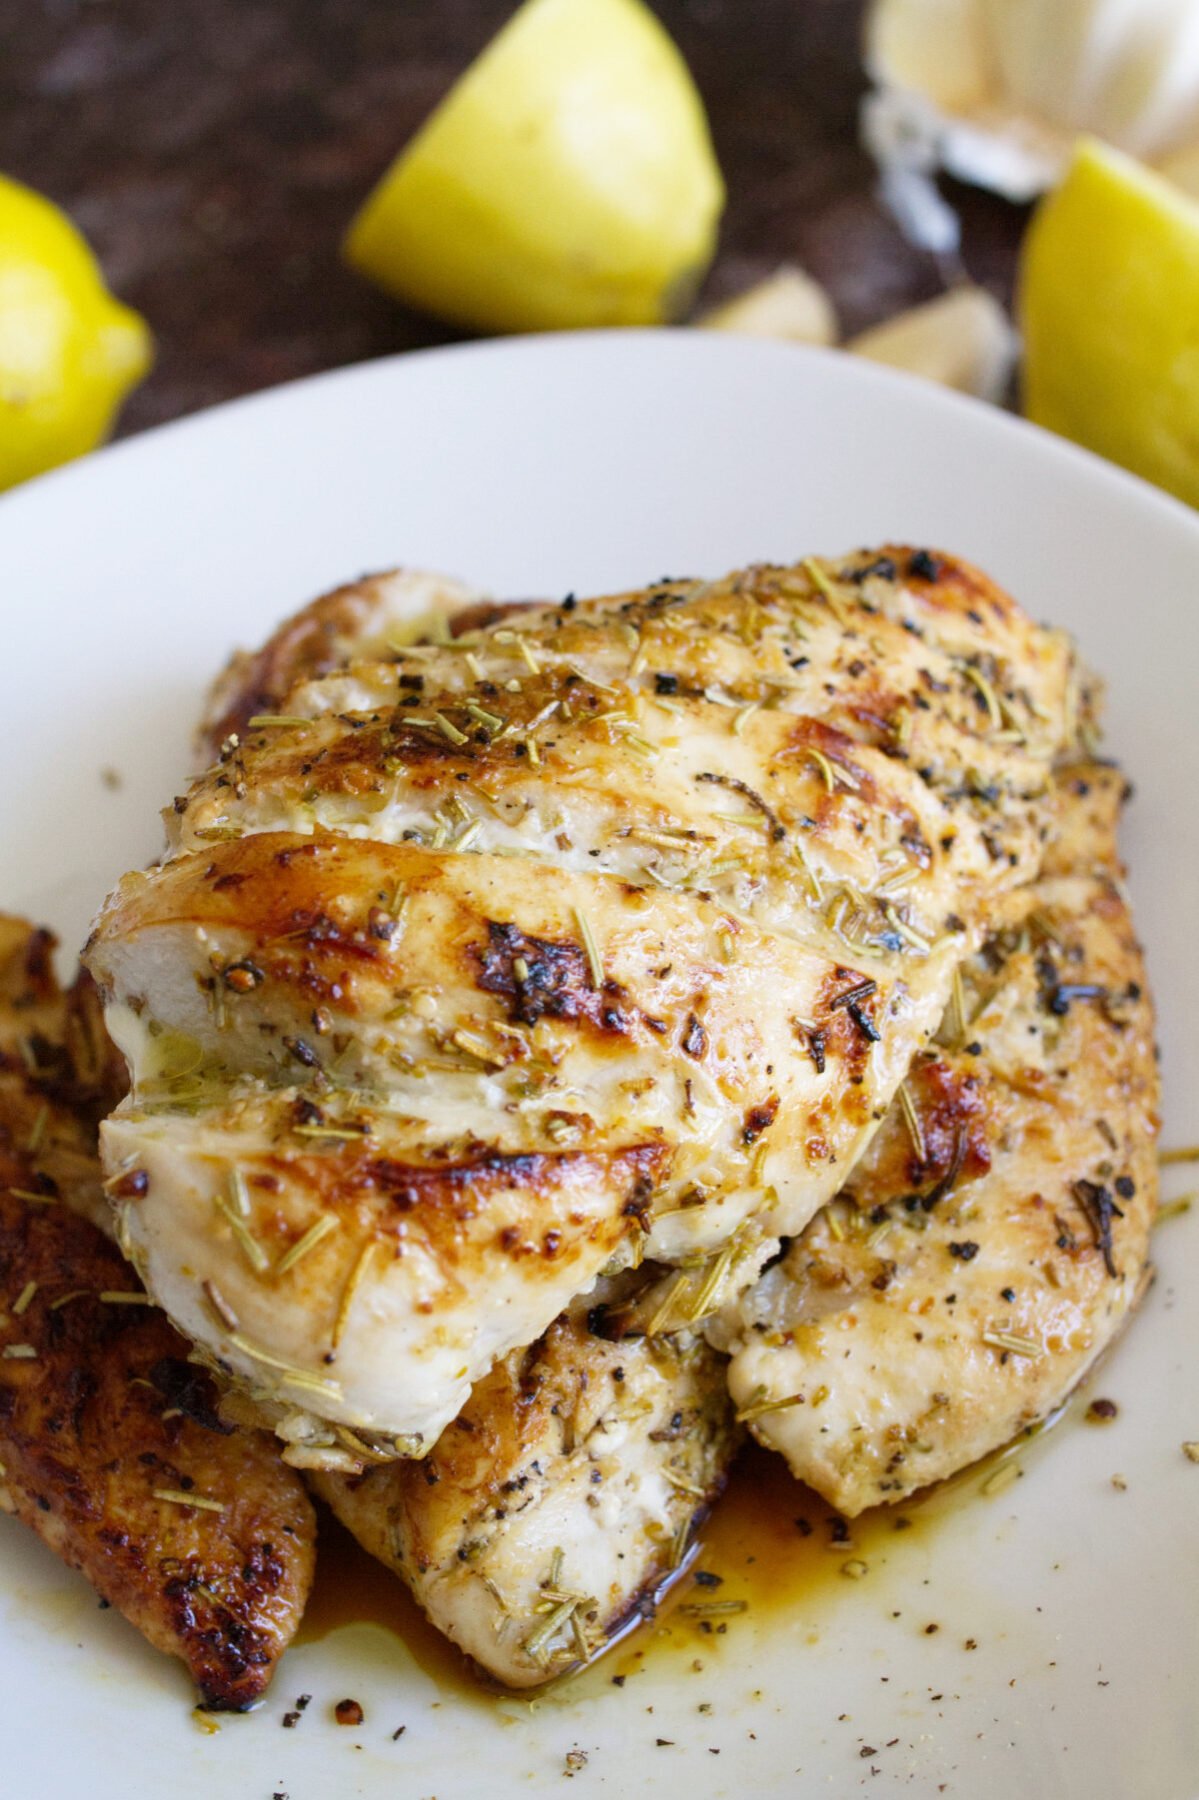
[865,1025]
[957,1157]
[24,1298]
[777,829]
[911,1119]
[710,1609]
[595,962]
[758,1408]
[247,1243]
[1011,1343]
[861,990]
[1096,1201]
[180,1497]
[315,1235]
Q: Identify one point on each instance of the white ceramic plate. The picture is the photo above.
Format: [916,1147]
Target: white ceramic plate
[589,463]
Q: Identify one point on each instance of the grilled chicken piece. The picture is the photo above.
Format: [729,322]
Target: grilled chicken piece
[99,1405]
[561,1497]
[367,617]
[995,1236]
[614,932]
[105,1430]
[59,1072]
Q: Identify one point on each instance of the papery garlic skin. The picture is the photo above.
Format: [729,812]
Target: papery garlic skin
[996,91]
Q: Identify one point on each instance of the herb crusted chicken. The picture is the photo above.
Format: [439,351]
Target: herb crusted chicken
[995,1236]
[520,982]
[605,930]
[111,1445]
[562,1497]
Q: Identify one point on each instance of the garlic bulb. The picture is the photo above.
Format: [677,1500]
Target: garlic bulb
[996,91]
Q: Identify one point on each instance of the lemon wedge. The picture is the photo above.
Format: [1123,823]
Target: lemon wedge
[69,352]
[1109,298]
[567,180]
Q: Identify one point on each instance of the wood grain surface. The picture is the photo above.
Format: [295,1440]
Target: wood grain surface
[214,151]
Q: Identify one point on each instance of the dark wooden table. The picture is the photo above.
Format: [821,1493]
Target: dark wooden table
[214,150]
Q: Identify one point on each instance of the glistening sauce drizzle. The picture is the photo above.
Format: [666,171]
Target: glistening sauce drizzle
[351,1588]
[773,1547]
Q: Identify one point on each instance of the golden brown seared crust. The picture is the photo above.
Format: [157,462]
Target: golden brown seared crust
[993,1239]
[925,673]
[299,967]
[59,1071]
[689,867]
[27,979]
[565,1490]
[57,1036]
[560,1108]
[321,637]
[412,1284]
[1086,803]
[101,1414]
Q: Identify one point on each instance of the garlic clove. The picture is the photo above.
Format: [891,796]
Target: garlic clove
[996,91]
[936,48]
[963,339]
[788,304]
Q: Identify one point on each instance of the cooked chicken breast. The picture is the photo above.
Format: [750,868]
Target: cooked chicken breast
[112,1450]
[59,1072]
[105,1425]
[562,1496]
[995,1235]
[368,617]
[610,934]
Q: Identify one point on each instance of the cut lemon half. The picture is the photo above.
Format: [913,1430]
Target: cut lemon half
[1109,305]
[567,180]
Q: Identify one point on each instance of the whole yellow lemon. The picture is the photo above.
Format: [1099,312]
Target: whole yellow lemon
[69,352]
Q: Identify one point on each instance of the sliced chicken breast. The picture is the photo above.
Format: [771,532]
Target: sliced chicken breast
[368,617]
[995,1236]
[112,1450]
[562,1496]
[654,896]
